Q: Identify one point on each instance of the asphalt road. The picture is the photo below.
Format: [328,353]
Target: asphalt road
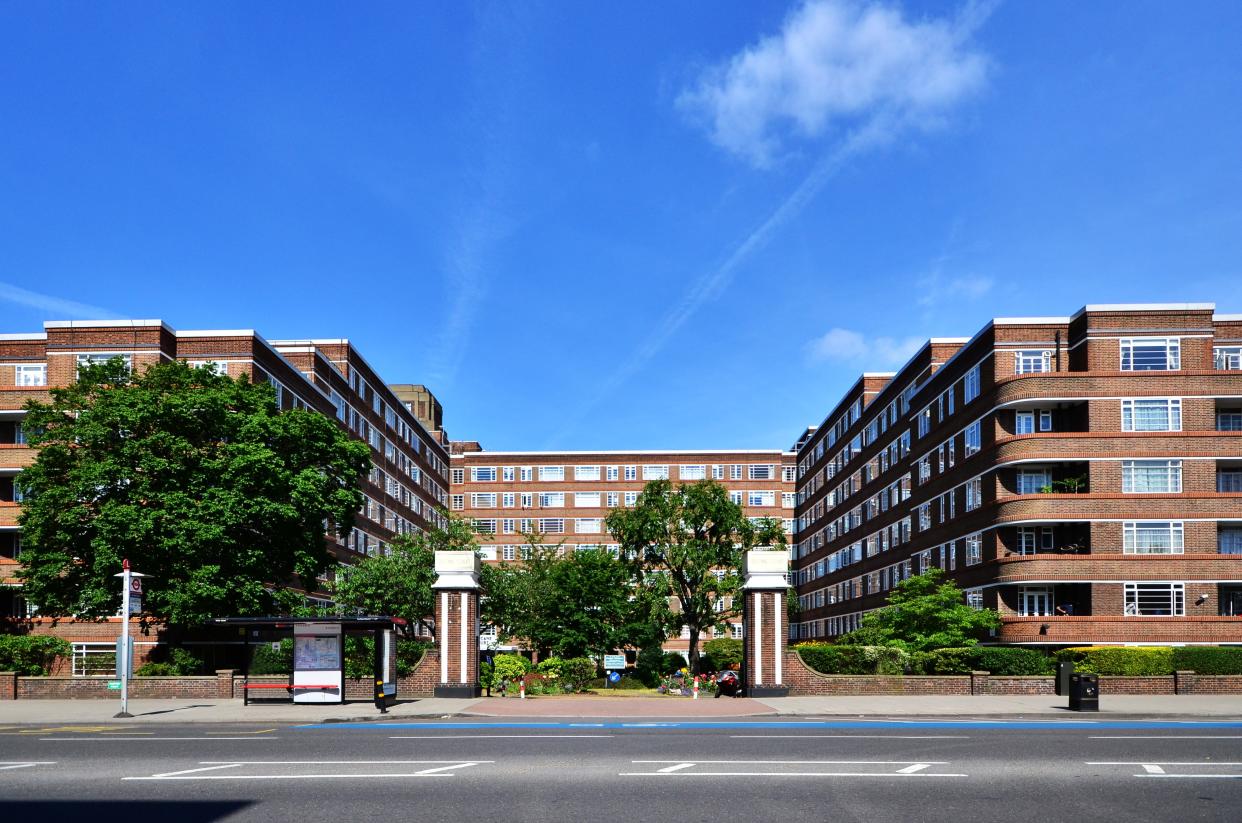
[718,771]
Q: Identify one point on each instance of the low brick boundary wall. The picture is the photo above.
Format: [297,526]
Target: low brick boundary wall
[803,680]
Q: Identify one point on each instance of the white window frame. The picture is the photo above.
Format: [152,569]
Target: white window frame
[1137,537]
[692,472]
[588,500]
[1136,592]
[586,473]
[482,474]
[1172,352]
[1130,418]
[551,474]
[655,472]
[30,374]
[1172,470]
[1032,361]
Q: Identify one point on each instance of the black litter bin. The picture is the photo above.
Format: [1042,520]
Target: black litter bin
[1064,669]
[1084,692]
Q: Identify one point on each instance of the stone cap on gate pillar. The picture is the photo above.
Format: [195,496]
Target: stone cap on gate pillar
[457,570]
[764,569]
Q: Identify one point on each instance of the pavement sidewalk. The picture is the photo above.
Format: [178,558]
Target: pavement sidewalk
[94,712]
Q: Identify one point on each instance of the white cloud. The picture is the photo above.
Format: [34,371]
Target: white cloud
[853,348]
[55,308]
[838,63]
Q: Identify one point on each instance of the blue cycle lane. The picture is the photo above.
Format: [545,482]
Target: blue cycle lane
[692,725]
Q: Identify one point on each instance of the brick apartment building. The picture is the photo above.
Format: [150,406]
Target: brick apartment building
[409,474]
[1082,475]
[567,495]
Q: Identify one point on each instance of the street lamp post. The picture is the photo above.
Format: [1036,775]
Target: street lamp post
[131,586]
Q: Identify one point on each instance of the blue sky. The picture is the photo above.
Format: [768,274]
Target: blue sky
[653,225]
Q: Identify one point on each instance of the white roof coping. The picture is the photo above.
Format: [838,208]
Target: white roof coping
[879,374]
[1027,321]
[103,324]
[1146,307]
[313,341]
[34,335]
[1226,317]
[949,340]
[218,333]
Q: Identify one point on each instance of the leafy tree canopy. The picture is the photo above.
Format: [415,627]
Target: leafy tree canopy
[398,584]
[691,537]
[924,613]
[196,478]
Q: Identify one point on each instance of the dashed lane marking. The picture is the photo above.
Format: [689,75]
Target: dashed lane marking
[114,739]
[850,736]
[498,736]
[1160,770]
[312,769]
[689,768]
[7,765]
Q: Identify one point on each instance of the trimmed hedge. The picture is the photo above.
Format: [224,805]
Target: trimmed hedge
[1208,659]
[829,659]
[722,653]
[1120,661]
[999,660]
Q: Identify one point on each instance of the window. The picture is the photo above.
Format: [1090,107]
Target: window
[1032,362]
[99,358]
[508,552]
[586,472]
[588,525]
[974,598]
[551,473]
[483,474]
[508,525]
[35,375]
[483,501]
[613,499]
[1035,601]
[1151,476]
[717,472]
[586,500]
[924,421]
[528,499]
[552,525]
[1028,542]
[1152,537]
[1151,415]
[508,500]
[1024,422]
[970,385]
[1155,599]
[736,630]
[1151,354]
[524,473]
[788,474]
[972,438]
[485,526]
[655,472]
[612,472]
[631,472]
[735,498]
[458,476]
[735,472]
[761,498]
[1045,421]
[925,469]
[1229,541]
[787,500]
[1229,481]
[550,500]
[1224,357]
[974,494]
[692,472]
[1033,481]
[974,549]
[507,474]
[925,518]
[762,472]
[457,502]
[631,498]
[1229,421]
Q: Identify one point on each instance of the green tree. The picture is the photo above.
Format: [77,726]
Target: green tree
[398,584]
[923,613]
[196,478]
[693,536]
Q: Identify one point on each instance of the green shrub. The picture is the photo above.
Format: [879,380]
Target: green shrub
[722,653]
[576,672]
[673,662]
[830,659]
[486,675]
[550,667]
[171,662]
[947,661]
[999,660]
[1141,661]
[156,670]
[31,656]
[509,667]
[1208,659]
[650,665]
[266,660]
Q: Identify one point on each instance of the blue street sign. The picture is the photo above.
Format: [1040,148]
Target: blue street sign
[613,677]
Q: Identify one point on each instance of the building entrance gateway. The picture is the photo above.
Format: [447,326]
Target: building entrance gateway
[318,674]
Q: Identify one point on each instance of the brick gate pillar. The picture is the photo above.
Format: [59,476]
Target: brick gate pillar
[457,623]
[764,625]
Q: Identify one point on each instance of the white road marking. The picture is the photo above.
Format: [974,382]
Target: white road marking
[6,765]
[199,769]
[1161,763]
[284,776]
[1210,776]
[341,762]
[446,768]
[809,762]
[917,767]
[788,774]
[677,768]
[1152,769]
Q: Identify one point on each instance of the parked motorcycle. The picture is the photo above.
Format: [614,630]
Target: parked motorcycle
[727,682]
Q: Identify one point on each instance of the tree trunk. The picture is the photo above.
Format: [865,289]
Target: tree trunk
[692,655]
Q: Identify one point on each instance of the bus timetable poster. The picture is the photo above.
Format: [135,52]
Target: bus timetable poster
[317,653]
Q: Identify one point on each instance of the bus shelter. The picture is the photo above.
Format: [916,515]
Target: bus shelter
[318,674]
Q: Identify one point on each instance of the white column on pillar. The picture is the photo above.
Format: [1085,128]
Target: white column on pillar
[776,637]
[758,641]
[444,636]
[464,634]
